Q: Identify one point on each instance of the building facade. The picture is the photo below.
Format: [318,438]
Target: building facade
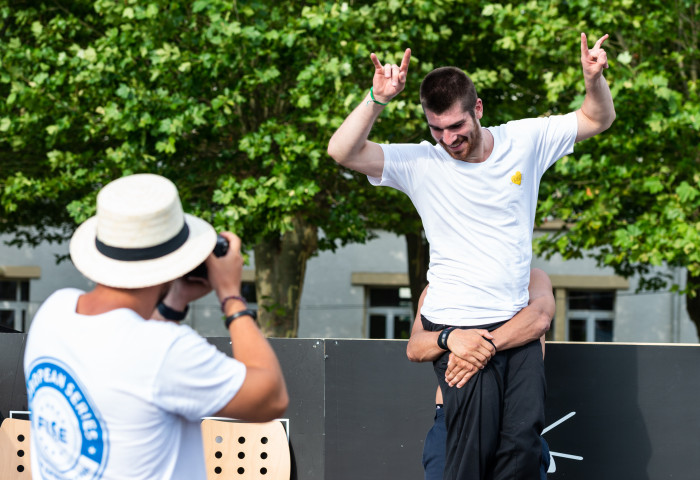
[361,291]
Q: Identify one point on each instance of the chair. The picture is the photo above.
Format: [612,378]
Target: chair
[242,450]
[14,450]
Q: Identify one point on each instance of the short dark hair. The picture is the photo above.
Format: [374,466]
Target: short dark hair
[442,88]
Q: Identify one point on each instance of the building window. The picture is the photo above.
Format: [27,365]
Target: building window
[14,302]
[590,315]
[389,312]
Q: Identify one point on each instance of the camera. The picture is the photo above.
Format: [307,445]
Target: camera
[220,250]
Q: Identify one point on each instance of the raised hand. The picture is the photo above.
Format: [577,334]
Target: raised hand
[389,80]
[594,60]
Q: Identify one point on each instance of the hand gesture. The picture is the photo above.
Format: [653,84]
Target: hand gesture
[389,80]
[472,345]
[225,272]
[459,371]
[594,60]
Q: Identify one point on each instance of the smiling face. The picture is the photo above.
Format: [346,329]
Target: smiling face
[459,132]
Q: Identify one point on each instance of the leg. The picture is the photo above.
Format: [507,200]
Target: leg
[472,418]
[544,465]
[520,449]
[434,448]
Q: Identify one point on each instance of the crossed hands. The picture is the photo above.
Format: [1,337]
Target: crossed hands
[389,80]
[594,60]
[470,352]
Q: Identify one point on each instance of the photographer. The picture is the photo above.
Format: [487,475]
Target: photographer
[114,395]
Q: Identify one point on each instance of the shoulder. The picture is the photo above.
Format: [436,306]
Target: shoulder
[411,151]
[58,301]
[424,146]
[535,125]
[64,295]
[184,339]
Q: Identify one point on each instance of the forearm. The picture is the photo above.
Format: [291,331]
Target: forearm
[423,347]
[531,323]
[598,106]
[251,348]
[176,302]
[350,146]
[247,341]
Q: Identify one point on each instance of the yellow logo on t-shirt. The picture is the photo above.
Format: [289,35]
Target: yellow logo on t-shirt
[516,178]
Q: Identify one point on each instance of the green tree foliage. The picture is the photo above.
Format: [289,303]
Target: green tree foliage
[630,196]
[235,102]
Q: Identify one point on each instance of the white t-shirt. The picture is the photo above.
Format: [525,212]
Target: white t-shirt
[114,396]
[479,217]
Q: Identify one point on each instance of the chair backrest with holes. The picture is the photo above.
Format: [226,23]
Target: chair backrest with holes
[243,450]
[14,450]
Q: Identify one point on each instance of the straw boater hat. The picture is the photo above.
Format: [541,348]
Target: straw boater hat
[140,236]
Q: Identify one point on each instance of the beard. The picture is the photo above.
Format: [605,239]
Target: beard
[470,146]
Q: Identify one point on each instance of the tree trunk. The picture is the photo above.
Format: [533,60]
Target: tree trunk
[692,301]
[418,261]
[280,267]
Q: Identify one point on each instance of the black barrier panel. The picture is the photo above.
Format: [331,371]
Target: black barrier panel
[379,406]
[303,366]
[636,411]
[359,410]
[13,395]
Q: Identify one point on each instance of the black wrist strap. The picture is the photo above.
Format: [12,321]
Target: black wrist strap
[172,314]
[494,345]
[442,338]
[231,318]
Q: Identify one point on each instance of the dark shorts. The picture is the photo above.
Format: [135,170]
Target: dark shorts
[434,450]
[494,421]
[434,447]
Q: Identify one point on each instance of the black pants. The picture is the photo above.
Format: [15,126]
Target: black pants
[495,420]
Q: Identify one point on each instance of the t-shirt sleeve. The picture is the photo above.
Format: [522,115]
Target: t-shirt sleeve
[556,138]
[402,166]
[196,379]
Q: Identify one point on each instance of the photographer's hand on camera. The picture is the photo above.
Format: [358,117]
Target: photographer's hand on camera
[225,273]
[175,304]
[184,290]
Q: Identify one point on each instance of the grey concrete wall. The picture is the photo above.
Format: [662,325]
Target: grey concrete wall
[330,305]
[655,317]
[333,308]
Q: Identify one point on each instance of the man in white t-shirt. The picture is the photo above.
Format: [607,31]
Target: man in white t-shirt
[476,192]
[114,395]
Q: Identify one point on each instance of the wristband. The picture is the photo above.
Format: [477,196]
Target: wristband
[233,297]
[172,314]
[228,320]
[442,338]
[371,94]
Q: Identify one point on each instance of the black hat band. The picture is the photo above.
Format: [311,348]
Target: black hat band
[145,253]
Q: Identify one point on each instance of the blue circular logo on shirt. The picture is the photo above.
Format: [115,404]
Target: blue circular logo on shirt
[68,433]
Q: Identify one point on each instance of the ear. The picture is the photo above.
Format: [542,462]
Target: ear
[479,109]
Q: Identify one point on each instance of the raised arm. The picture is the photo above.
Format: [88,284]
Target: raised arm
[263,395]
[349,145]
[597,111]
